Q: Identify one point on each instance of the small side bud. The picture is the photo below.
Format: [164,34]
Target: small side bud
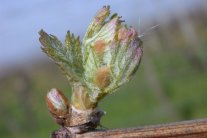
[57,103]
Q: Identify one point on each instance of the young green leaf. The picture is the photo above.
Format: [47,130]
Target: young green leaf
[67,56]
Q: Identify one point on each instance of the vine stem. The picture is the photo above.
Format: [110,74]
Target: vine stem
[185,129]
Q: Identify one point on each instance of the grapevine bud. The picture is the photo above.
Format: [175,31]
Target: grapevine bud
[111,54]
[108,57]
[57,103]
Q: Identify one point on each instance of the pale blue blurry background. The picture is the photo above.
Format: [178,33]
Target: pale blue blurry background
[20,21]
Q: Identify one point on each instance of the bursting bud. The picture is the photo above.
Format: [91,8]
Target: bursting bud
[57,103]
[107,58]
[111,53]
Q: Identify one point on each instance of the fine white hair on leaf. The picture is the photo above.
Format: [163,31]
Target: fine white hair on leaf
[148,30]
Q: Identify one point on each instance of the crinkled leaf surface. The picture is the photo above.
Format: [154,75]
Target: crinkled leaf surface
[67,56]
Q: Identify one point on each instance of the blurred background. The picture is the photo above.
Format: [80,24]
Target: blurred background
[170,85]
